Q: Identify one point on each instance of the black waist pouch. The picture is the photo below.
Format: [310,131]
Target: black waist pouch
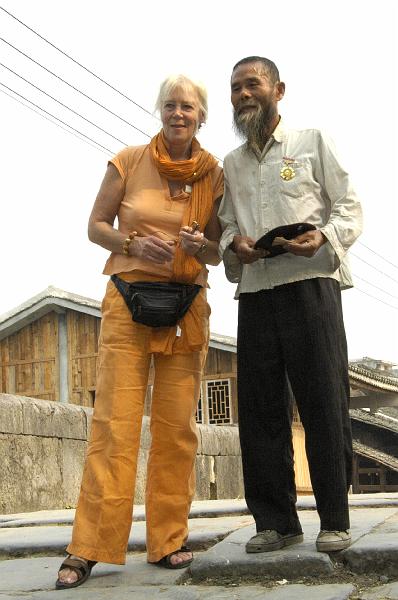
[156,304]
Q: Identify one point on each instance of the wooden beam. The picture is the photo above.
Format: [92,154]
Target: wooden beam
[63,358]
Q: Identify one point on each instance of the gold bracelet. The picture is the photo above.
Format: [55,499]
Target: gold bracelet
[127,242]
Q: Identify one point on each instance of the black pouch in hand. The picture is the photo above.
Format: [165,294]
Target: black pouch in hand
[288,232]
[156,304]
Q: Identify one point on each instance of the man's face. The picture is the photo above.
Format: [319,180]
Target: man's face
[254,98]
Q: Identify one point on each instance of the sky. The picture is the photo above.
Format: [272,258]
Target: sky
[339,62]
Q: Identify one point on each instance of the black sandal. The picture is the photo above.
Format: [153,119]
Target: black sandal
[80,566]
[166,562]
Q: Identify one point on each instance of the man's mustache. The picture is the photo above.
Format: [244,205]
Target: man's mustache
[243,105]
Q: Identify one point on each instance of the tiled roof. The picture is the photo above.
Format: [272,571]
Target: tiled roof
[385,459]
[382,418]
[364,375]
[52,297]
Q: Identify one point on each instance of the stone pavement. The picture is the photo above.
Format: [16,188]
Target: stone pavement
[31,546]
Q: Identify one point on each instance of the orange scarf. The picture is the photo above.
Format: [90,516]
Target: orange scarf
[195,171]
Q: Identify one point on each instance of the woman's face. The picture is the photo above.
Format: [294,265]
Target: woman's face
[181,116]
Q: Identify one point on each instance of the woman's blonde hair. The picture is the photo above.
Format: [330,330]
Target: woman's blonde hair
[186,84]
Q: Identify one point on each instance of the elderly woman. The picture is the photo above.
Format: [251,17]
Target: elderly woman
[165,196]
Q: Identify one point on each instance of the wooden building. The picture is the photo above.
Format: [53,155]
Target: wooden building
[48,350]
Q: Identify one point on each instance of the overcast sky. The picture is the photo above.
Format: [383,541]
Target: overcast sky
[339,63]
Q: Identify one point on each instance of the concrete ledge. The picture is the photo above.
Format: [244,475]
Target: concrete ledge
[228,559]
[378,550]
[43,445]
[224,441]
[29,416]
[46,539]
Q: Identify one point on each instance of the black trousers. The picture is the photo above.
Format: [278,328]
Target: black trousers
[294,333]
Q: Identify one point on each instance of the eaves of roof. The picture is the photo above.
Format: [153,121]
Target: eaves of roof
[56,299]
[363,375]
[374,419]
[385,459]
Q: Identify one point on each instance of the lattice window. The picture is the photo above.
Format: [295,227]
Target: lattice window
[296,416]
[219,401]
[199,409]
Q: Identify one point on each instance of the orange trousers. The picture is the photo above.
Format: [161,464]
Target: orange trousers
[104,512]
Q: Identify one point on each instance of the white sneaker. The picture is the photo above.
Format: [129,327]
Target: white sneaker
[332,541]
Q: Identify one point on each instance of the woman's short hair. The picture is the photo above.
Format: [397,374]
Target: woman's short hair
[186,84]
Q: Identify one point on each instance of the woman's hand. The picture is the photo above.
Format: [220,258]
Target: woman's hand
[153,249]
[191,241]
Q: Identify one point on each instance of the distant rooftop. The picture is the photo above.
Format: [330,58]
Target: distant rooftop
[53,298]
[362,370]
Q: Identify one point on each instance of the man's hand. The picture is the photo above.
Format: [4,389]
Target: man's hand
[244,249]
[306,244]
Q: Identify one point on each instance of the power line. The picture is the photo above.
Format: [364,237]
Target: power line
[379,255]
[109,152]
[375,286]
[375,268]
[77,62]
[378,299]
[62,104]
[73,87]
[54,123]
[57,119]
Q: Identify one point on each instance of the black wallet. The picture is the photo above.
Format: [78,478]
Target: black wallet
[286,232]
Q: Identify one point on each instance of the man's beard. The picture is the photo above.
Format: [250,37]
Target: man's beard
[253,125]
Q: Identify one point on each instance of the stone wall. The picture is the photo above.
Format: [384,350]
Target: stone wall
[43,445]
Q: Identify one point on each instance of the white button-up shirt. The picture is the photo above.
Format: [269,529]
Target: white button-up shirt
[257,199]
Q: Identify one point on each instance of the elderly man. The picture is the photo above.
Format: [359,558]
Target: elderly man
[290,326]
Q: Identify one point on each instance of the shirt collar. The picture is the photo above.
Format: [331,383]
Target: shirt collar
[278,135]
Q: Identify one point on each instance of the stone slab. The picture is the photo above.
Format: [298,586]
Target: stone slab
[11,420]
[73,453]
[382,592]
[40,574]
[229,559]
[32,459]
[164,592]
[377,551]
[141,581]
[53,419]
[52,540]
[229,476]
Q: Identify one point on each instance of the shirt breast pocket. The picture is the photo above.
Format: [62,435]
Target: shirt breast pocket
[291,179]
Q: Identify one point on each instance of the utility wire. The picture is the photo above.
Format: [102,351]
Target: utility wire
[73,87]
[77,62]
[57,119]
[375,268]
[375,286]
[62,104]
[378,299]
[130,100]
[109,152]
[54,123]
[83,93]
[379,255]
